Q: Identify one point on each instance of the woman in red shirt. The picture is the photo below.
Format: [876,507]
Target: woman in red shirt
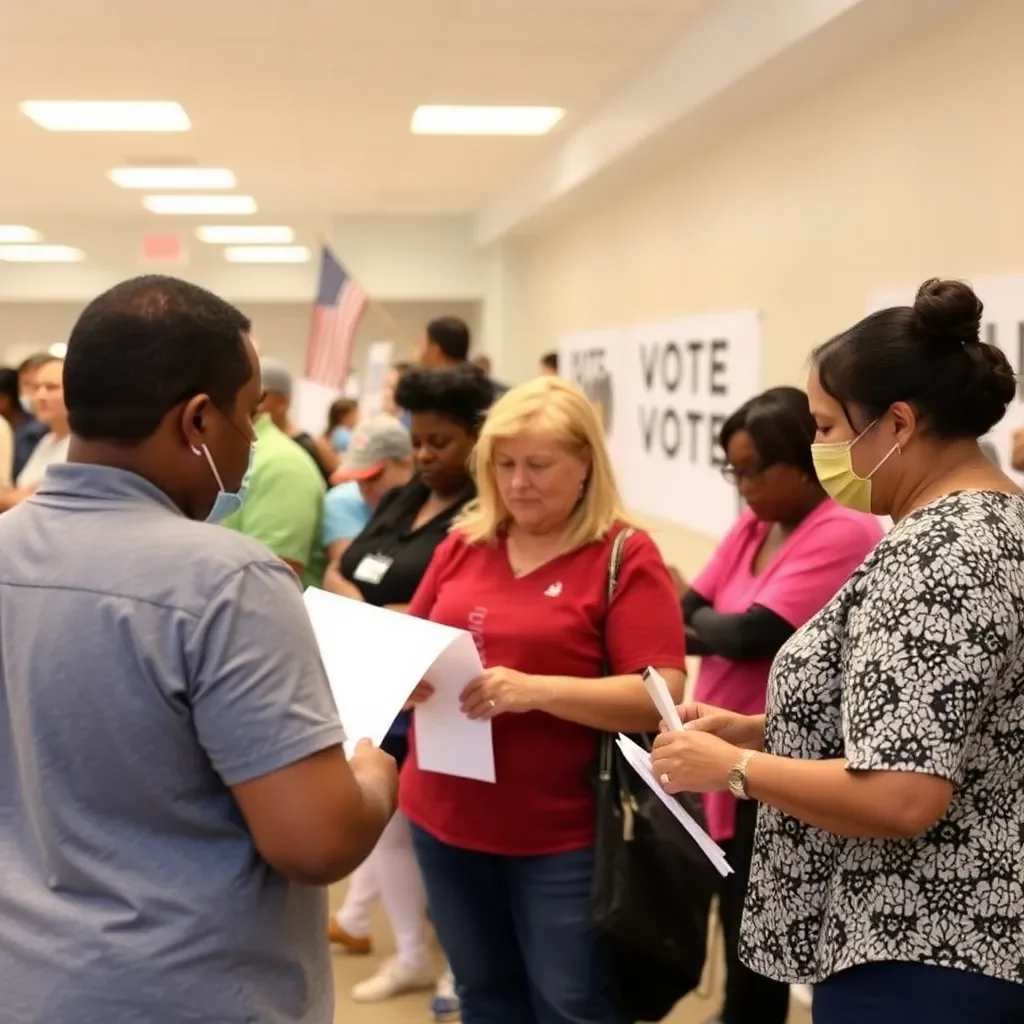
[508,866]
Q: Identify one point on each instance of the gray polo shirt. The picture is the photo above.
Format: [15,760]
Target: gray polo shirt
[147,663]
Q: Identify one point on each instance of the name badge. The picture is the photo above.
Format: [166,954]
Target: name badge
[372,569]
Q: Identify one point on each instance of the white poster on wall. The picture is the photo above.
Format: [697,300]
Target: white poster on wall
[664,390]
[685,378]
[595,360]
[375,372]
[311,401]
[1002,325]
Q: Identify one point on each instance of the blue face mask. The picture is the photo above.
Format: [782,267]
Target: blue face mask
[341,438]
[227,503]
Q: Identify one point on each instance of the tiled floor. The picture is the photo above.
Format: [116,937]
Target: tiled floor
[414,1009]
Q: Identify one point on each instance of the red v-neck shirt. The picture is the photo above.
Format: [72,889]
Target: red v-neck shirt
[553,622]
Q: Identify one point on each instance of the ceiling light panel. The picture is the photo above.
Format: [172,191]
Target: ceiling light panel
[40,254]
[434,120]
[18,233]
[267,254]
[245,234]
[107,116]
[172,177]
[199,205]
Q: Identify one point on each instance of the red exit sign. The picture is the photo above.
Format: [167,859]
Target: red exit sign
[163,249]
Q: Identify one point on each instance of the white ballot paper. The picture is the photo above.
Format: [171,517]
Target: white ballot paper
[374,659]
[640,760]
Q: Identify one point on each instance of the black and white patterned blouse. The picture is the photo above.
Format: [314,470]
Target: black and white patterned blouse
[917,665]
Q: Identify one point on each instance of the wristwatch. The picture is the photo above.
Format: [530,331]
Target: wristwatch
[738,776]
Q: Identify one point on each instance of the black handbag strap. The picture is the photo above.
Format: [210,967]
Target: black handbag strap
[614,569]
[615,563]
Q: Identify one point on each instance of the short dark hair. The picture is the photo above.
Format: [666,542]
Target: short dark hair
[145,346]
[451,335]
[339,409]
[9,384]
[780,424]
[550,360]
[929,355]
[34,362]
[461,394]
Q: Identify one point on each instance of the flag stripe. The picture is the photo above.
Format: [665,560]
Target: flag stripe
[340,305]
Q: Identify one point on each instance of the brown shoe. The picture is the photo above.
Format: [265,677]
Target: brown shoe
[354,945]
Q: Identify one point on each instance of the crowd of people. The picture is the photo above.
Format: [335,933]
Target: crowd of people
[174,794]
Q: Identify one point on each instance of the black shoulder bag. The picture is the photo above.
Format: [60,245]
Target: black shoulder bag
[652,886]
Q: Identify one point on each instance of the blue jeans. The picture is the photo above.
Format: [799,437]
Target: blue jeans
[517,934]
[904,993]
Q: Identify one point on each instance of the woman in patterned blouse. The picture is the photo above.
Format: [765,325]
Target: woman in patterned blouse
[888,868]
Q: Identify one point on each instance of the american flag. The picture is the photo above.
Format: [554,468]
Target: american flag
[340,305]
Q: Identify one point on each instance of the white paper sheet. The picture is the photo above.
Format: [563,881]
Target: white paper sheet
[640,760]
[446,740]
[374,659]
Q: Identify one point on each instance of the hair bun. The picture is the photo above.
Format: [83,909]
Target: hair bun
[947,314]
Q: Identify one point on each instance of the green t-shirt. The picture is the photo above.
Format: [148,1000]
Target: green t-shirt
[284,502]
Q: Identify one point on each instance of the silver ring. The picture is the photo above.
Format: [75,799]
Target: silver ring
[665,780]
[493,703]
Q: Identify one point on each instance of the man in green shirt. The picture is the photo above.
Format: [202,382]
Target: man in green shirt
[284,503]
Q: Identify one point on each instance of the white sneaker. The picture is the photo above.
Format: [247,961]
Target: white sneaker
[445,1004]
[394,978]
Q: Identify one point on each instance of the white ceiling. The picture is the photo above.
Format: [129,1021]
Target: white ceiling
[308,101]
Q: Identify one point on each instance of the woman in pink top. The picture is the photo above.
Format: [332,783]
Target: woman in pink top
[788,554]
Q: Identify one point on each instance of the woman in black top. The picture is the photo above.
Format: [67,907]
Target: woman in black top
[383,566]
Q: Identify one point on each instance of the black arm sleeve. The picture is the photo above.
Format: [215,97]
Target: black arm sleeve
[748,636]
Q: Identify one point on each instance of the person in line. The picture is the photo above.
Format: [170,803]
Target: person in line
[446,342]
[384,566]
[284,497]
[378,460]
[887,862]
[27,378]
[342,418]
[509,866]
[52,448]
[173,785]
[387,401]
[27,431]
[548,365]
[277,403]
[787,555]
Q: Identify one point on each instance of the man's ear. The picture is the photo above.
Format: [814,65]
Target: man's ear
[194,415]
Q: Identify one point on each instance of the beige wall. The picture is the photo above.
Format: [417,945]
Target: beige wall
[912,167]
[282,328]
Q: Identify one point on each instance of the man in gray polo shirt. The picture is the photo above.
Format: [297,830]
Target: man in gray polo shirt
[173,790]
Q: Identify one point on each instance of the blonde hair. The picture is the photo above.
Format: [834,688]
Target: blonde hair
[557,409]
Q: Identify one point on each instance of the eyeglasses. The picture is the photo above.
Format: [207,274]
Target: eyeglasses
[735,476]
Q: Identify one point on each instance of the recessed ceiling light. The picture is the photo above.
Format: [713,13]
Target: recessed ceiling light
[267,254]
[485,120]
[107,116]
[245,234]
[172,177]
[18,233]
[201,205]
[40,254]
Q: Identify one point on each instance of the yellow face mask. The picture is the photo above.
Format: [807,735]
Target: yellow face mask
[833,464]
